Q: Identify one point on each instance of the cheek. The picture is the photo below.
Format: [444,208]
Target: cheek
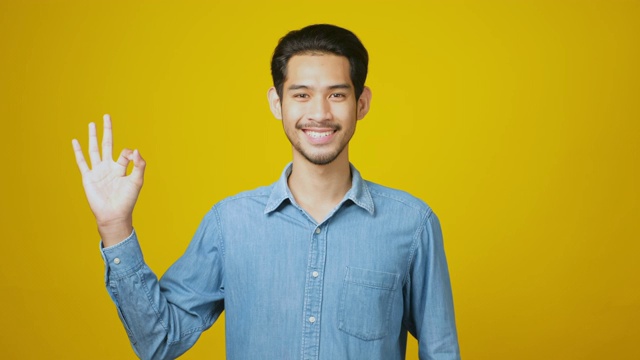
[290,117]
[344,111]
[292,110]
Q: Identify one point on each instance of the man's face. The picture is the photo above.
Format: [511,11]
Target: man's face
[318,108]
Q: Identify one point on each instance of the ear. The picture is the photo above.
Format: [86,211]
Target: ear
[364,102]
[274,103]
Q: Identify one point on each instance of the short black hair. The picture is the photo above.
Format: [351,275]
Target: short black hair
[321,38]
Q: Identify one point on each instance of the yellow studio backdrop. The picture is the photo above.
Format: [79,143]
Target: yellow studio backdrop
[517,121]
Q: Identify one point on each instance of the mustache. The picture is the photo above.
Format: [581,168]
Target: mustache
[311,125]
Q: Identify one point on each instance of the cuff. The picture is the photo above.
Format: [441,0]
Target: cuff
[123,258]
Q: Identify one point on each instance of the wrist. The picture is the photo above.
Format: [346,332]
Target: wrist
[114,232]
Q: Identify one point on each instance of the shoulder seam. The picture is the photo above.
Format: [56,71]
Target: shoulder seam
[423,208]
[416,240]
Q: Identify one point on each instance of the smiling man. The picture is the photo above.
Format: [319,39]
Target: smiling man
[322,264]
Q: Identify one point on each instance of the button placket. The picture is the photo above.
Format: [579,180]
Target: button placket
[314,293]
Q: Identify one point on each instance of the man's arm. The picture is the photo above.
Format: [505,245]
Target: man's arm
[429,300]
[163,319]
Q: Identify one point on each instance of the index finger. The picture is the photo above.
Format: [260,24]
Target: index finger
[107,138]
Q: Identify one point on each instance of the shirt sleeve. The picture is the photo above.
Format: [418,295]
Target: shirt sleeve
[429,300]
[163,319]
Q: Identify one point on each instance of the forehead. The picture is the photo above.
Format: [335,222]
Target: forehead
[318,70]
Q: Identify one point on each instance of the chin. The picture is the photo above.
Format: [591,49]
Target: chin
[321,159]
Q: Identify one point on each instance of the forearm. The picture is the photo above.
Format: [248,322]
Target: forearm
[156,328]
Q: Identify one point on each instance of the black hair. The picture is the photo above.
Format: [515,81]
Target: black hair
[321,38]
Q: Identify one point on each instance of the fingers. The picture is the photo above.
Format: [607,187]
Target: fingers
[94,153]
[138,167]
[107,138]
[139,164]
[82,164]
[124,158]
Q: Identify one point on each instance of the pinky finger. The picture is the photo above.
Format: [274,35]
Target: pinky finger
[82,164]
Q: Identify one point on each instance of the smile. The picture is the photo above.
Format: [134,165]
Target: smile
[318,134]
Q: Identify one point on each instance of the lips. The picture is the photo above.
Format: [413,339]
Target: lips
[319,136]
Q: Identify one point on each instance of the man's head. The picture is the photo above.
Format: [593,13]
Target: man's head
[321,39]
[319,93]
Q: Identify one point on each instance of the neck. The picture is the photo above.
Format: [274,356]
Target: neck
[318,189]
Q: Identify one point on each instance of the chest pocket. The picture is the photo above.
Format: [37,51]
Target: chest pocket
[365,304]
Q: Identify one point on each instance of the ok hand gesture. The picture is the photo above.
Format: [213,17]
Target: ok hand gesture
[112,194]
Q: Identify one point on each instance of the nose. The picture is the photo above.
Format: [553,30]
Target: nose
[319,109]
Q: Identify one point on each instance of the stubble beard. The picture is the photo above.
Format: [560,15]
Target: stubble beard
[316,159]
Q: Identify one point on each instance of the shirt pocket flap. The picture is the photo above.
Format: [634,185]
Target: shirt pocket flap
[376,279]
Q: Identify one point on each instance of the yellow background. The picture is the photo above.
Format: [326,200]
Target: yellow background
[517,121]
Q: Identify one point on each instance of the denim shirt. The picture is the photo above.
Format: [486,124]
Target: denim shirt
[350,287]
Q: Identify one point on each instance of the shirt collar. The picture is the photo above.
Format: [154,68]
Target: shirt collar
[359,192]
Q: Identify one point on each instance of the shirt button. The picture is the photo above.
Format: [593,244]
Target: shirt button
[312,319]
[315,274]
[116,261]
[318,230]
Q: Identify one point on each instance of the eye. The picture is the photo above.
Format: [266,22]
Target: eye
[337,95]
[301,96]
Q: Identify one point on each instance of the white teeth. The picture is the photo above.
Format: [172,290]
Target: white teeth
[317,135]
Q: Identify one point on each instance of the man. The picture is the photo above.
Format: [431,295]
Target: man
[320,265]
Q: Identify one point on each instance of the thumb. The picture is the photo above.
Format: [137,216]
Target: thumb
[137,174]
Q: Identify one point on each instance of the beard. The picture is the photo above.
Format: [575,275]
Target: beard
[317,157]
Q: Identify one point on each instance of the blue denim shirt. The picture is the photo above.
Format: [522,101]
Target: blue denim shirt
[351,287]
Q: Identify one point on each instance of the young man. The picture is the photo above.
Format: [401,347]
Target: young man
[320,265]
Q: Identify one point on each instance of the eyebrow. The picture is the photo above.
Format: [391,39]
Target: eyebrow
[305,87]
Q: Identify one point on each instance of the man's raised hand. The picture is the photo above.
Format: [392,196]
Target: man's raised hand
[112,194]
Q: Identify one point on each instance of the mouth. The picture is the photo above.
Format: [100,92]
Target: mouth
[319,136]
